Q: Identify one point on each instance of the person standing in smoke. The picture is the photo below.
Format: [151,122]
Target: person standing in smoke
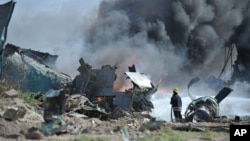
[176,103]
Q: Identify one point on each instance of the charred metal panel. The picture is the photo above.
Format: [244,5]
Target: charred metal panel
[122,100]
[223,93]
[104,82]
[83,82]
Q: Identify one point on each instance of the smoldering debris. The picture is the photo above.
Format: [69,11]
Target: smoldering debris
[97,85]
[90,94]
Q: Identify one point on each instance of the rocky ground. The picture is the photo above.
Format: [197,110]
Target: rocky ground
[26,124]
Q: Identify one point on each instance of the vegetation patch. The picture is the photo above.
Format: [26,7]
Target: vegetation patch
[174,135]
[31,99]
[83,138]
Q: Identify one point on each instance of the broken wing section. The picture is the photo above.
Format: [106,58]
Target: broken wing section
[28,74]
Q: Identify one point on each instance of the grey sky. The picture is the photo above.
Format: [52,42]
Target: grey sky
[53,26]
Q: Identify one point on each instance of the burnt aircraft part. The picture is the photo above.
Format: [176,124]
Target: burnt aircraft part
[54,108]
[223,93]
[202,109]
[81,105]
[54,104]
[28,74]
[43,58]
[141,92]
[94,83]
[132,68]
[206,108]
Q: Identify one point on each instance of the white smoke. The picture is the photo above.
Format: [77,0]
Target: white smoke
[235,104]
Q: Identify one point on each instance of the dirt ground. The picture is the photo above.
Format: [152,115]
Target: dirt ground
[28,127]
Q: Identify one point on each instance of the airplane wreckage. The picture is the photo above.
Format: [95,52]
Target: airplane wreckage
[204,108]
[29,71]
[89,94]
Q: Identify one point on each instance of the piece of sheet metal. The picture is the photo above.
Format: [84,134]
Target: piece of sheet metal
[139,79]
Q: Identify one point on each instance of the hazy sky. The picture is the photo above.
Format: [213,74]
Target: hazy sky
[53,26]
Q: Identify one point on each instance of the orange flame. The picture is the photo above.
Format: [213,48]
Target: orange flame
[100,98]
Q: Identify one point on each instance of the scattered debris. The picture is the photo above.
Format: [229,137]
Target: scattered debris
[190,127]
[97,86]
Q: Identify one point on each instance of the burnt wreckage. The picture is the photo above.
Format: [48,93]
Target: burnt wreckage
[97,86]
[89,94]
[32,71]
[205,108]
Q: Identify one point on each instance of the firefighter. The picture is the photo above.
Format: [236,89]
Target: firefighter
[176,103]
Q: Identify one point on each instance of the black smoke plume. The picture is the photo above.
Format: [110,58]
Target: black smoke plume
[178,39]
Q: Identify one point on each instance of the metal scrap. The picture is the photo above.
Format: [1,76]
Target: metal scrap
[97,86]
[205,108]
[54,108]
[79,105]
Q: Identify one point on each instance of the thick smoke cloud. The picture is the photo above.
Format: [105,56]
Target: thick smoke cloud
[173,40]
[177,38]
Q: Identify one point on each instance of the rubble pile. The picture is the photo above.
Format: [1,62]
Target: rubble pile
[20,121]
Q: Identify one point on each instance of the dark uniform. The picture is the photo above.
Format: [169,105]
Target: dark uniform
[176,103]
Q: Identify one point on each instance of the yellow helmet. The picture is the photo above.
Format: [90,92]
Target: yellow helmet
[176,90]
